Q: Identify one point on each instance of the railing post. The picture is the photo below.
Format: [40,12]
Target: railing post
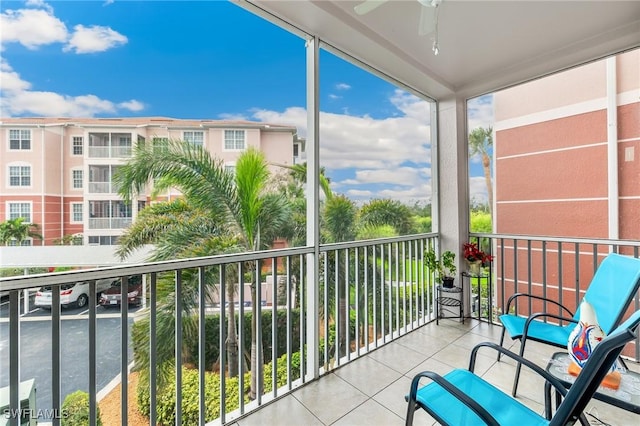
[14,357]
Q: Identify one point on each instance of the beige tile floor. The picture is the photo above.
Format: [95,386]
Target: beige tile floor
[370,390]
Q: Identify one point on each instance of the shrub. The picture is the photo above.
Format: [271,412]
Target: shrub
[76,409]
[140,334]
[190,381]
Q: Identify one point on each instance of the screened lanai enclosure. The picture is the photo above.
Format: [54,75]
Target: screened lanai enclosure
[331,328]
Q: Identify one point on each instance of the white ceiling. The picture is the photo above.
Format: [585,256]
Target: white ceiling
[484,45]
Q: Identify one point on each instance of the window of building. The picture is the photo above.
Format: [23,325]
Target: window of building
[19,175]
[196,138]
[160,144]
[78,145]
[229,167]
[19,139]
[76,212]
[234,140]
[17,210]
[27,242]
[103,240]
[78,178]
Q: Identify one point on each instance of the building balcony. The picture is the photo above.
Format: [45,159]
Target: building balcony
[366,307]
[112,151]
[101,188]
[109,222]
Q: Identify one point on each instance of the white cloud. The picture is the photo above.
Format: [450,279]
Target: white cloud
[131,105]
[361,142]
[480,112]
[108,2]
[94,39]
[343,86]
[359,193]
[233,117]
[407,175]
[478,189]
[37,26]
[377,151]
[17,98]
[39,4]
[32,28]
[11,81]
[334,97]
[414,193]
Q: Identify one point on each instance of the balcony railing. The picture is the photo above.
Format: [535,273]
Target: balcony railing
[109,222]
[100,188]
[558,268]
[113,151]
[312,313]
[365,294]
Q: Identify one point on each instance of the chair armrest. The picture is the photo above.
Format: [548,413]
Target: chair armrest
[533,317]
[541,371]
[457,393]
[533,296]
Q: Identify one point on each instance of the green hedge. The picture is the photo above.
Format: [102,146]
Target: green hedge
[76,410]
[140,334]
[166,397]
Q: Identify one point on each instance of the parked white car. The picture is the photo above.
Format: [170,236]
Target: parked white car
[71,293]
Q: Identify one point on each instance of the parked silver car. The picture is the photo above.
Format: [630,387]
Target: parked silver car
[70,294]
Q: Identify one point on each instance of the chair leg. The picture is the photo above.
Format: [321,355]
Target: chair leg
[518,368]
[501,342]
[411,409]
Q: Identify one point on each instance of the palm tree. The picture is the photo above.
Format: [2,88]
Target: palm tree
[220,212]
[299,174]
[15,231]
[339,224]
[387,212]
[480,142]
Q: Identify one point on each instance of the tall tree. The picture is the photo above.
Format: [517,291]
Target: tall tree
[239,214]
[388,212]
[299,173]
[480,142]
[15,231]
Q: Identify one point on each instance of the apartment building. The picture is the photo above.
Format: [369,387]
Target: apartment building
[567,153]
[567,164]
[57,172]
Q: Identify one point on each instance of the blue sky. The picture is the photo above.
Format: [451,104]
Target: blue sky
[213,59]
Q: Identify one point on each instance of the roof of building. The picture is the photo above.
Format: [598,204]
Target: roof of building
[140,122]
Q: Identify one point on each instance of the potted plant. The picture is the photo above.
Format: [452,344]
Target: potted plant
[476,257]
[443,268]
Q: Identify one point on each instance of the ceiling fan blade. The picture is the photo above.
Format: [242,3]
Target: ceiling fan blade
[368,5]
[427,21]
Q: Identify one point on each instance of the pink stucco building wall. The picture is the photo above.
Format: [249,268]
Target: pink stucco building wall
[553,176]
[551,157]
[57,171]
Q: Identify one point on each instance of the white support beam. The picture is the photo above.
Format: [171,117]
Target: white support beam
[452,187]
[313,202]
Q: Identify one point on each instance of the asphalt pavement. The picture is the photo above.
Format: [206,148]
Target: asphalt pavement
[36,355]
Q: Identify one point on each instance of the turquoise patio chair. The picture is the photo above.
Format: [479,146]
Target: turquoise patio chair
[461,398]
[610,292]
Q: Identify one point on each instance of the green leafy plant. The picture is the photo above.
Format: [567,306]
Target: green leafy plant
[76,410]
[442,267]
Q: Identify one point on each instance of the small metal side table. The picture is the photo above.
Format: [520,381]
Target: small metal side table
[447,299]
[626,397]
[476,299]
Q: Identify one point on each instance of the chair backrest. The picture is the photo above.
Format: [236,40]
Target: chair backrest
[594,371]
[612,288]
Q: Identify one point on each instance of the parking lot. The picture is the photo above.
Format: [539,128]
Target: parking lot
[35,348]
